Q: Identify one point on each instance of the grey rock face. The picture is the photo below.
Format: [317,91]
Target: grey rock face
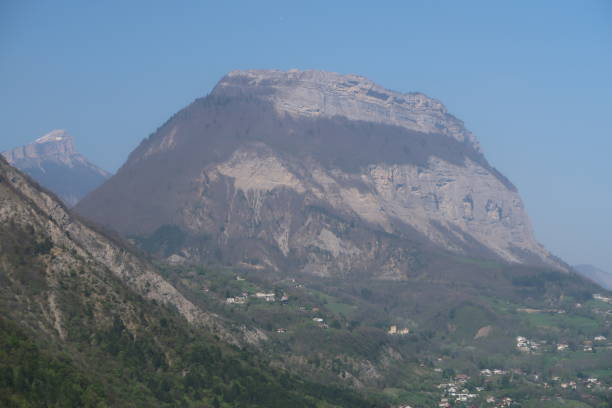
[317,172]
[327,94]
[53,161]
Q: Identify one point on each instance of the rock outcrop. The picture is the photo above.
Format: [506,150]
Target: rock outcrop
[53,161]
[321,173]
[67,245]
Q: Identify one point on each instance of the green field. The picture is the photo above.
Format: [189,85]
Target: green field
[556,403]
[563,321]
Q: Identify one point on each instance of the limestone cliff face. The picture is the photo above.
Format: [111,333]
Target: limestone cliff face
[53,161]
[317,172]
[326,94]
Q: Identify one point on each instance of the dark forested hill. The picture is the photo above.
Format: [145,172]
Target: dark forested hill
[87,323]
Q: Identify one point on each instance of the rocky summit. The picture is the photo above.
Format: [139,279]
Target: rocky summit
[327,94]
[53,161]
[315,172]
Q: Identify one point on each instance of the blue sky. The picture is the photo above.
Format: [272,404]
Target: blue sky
[532,80]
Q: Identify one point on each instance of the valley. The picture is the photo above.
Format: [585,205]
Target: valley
[502,353]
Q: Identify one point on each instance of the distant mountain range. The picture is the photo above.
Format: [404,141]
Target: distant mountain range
[595,274]
[53,161]
[319,172]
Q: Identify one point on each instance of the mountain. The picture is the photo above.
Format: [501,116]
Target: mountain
[316,172]
[53,161]
[87,322]
[595,274]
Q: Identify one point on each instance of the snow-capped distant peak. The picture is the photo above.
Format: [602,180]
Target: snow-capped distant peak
[53,161]
[56,135]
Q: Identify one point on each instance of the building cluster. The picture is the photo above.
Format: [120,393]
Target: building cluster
[504,402]
[592,382]
[455,391]
[597,296]
[526,345]
[294,284]
[398,331]
[587,345]
[600,338]
[238,300]
[320,322]
[490,372]
[589,383]
[268,297]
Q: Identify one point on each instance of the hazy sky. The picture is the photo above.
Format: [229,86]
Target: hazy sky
[532,80]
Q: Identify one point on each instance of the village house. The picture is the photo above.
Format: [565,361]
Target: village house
[597,296]
[462,378]
[321,323]
[268,297]
[238,300]
[571,384]
[600,338]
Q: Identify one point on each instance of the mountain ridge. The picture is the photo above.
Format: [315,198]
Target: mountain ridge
[597,275]
[54,162]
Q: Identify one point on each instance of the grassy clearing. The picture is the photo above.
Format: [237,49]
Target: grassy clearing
[341,308]
[603,374]
[598,304]
[556,403]
[563,321]
[332,304]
